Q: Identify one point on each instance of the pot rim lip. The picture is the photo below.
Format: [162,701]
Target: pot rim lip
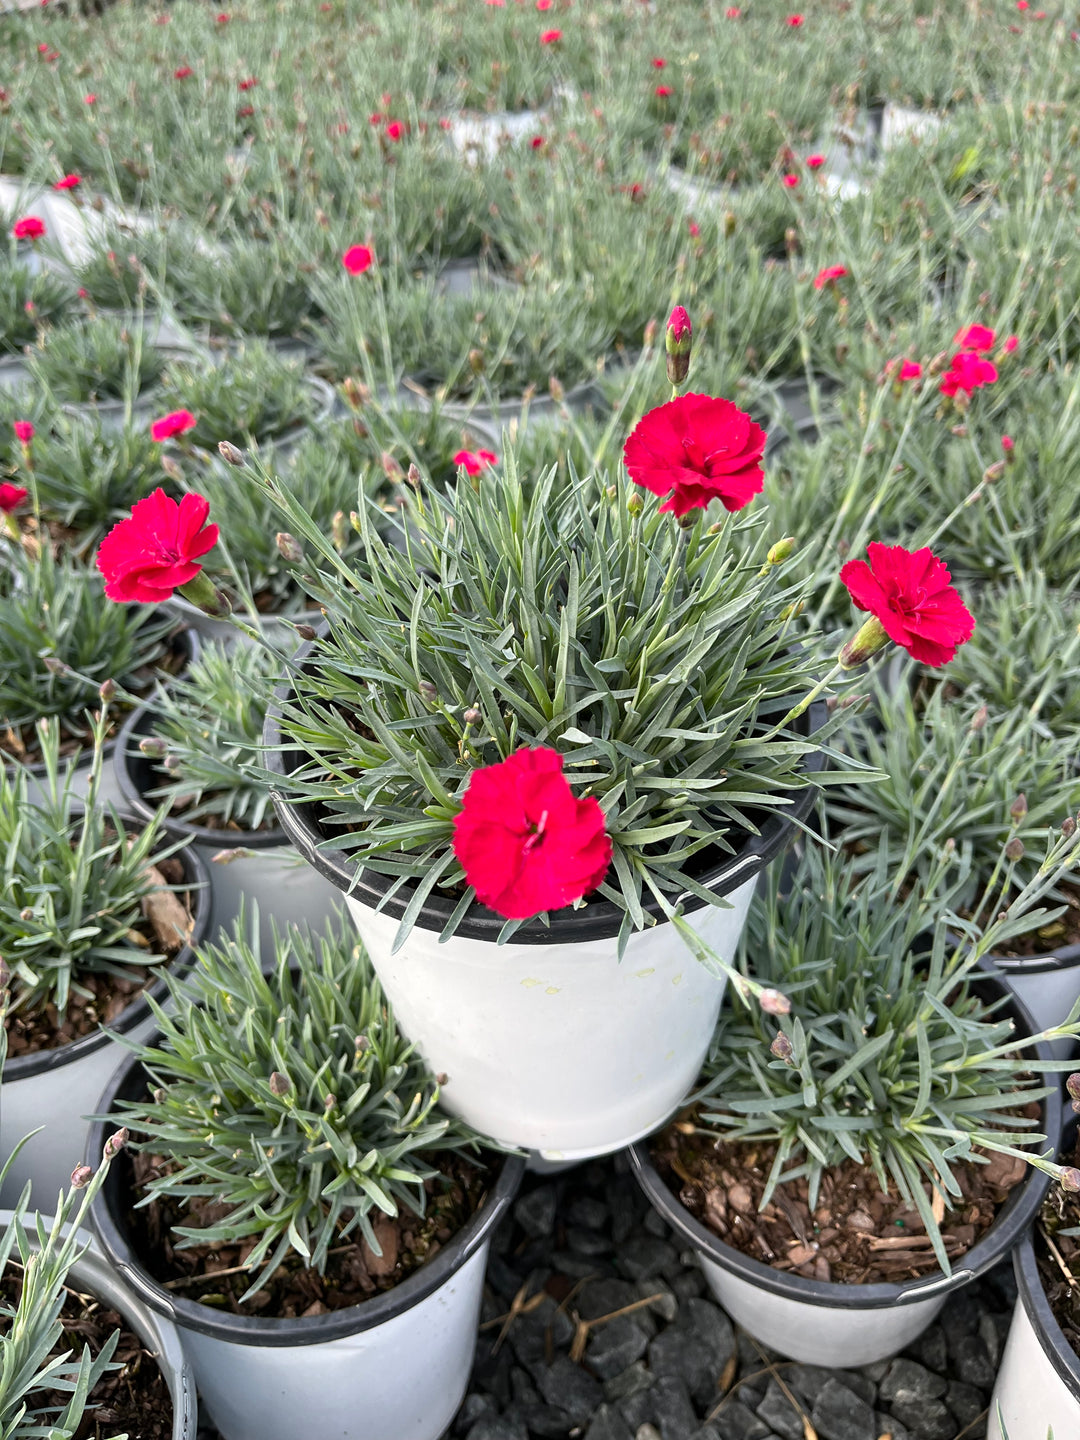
[1051,1338]
[1011,1222]
[1065,957]
[599,920]
[276,1332]
[139,719]
[197,878]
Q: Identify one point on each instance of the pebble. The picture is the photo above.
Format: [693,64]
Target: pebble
[535,1211]
[971,1361]
[738,1422]
[498,1427]
[615,1346]
[780,1415]
[608,1424]
[671,1405]
[632,1381]
[646,1256]
[840,1414]
[928,1419]
[908,1381]
[570,1388]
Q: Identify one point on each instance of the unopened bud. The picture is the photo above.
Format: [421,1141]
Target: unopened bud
[1014,850]
[391,468]
[778,553]
[1072,1085]
[306,632]
[441,1078]
[115,1143]
[868,640]
[556,390]
[160,1095]
[172,469]
[429,691]
[289,547]
[154,746]
[1069,1180]
[994,472]
[230,453]
[5,974]
[1068,827]
[81,1177]
[361,1043]
[472,716]
[635,504]
[782,1048]
[279,1084]
[979,719]
[413,476]
[56,666]
[729,223]
[774,1003]
[26,914]
[650,334]
[678,342]
[476,361]
[172,764]
[339,531]
[792,611]
[107,691]
[356,394]
[1019,807]
[329,1103]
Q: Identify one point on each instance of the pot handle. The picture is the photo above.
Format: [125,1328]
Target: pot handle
[151,1295]
[946,1282]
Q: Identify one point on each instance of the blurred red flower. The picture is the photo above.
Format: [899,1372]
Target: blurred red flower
[967,372]
[357,259]
[69,182]
[11,497]
[177,422]
[28,228]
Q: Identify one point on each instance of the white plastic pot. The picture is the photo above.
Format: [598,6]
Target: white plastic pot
[549,1042]
[91,1275]
[53,1090]
[1038,1384]
[259,869]
[394,1368]
[822,1323]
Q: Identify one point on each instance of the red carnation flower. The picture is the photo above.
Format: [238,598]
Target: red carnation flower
[24,431]
[829,276]
[658,63]
[543,4]
[11,497]
[794,21]
[1007,444]
[475,460]
[90,99]
[178,422]
[525,842]
[249,84]
[696,449]
[157,550]
[28,228]
[245,111]
[911,595]
[550,37]
[733,12]
[664,91]
[223,19]
[974,337]
[791,181]
[967,372]
[815,162]
[537,142]
[357,259]
[1011,342]
[183,72]
[395,130]
[694,228]
[909,369]
[69,182]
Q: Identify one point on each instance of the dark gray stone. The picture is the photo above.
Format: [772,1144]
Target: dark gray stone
[528,1333]
[874,1372]
[543,1422]
[585,1210]
[614,1346]
[930,1349]
[503,1278]
[497,1427]
[737,1421]
[579,1267]
[521,1387]
[971,1362]
[712,1326]
[655,1224]
[637,1409]
[666,1306]
[568,1386]
[777,1411]
[645,1256]
[633,1380]
[926,1419]
[840,1414]
[625,1202]
[602,1297]
[707,1432]
[889,1425]
[908,1381]
[807,1381]
[589,1243]
[674,1413]
[965,1402]
[990,1335]
[695,1350]
[535,1211]
[862,1385]
[608,1424]
[688,1284]
[492,1372]
[472,1408]
[960,1315]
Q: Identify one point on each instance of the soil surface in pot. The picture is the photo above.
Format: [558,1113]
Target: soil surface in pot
[1065,930]
[215,1275]
[857,1234]
[133,1399]
[1057,1253]
[29,1031]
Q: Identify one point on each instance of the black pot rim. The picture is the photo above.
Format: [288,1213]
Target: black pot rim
[197,879]
[185,639]
[1064,958]
[1013,1220]
[598,920]
[139,723]
[275,1332]
[1055,1347]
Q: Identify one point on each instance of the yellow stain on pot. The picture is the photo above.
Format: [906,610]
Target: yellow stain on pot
[530,983]
[552,990]
[641,974]
[677,979]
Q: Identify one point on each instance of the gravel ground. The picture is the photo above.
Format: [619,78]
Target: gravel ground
[551,1365]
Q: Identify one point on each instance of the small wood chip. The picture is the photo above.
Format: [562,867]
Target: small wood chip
[171,920]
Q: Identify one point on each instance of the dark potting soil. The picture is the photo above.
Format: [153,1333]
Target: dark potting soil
[1065,930]
[857,1234]
[1058,1254]
[597,1324]
[43,1028]
[132,1399]
[216,1275]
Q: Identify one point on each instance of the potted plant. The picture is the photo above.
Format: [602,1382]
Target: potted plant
[29,300]
[1038,1384]
[195,751]
[518,912]
[860,1142]
[77,1350]
[88,475]
[103,367]
[337,1270]
[94,908]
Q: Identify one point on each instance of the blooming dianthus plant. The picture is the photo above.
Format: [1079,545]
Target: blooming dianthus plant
[550,686]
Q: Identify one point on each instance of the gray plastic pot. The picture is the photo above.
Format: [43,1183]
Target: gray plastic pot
[56,1089]
[1038,1384]
[822,1323]
[394,1368]
[260,868]
[1049,985]
[91,1275]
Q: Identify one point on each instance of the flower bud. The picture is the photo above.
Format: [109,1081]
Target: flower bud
[870,638]
[26,914]
[172,469]
[81,1177]
[441,1078]
[329,1103]
[5,974]
[56,666]
[729,223]
[230,453]
[1019,807]
[635,503]
[994,472]
[413,477]
[472,716]
[429,691]
[773,1002]
[650,334]
[1014,850]
[782,1048]
[154,746]
[361,1043]
[1072,1085]
[339,531]
[678,343]
[289,547]
[556,389]
[115,1143]
[306,632]
[1068,827]
[778,553]
[1069,1180]
[280,1084]
[979,719]
[107,691]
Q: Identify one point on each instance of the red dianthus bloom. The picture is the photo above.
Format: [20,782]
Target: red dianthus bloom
[151,554]
[475,460]
[11,497]
[696,449]
[177,422]
[911,594]
[357,259]
[524,841]
[967,372]
[830,274]
[974,337]
[28,228]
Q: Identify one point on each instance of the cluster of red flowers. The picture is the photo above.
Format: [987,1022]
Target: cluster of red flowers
[28,228]
[969,370]
[473,461]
